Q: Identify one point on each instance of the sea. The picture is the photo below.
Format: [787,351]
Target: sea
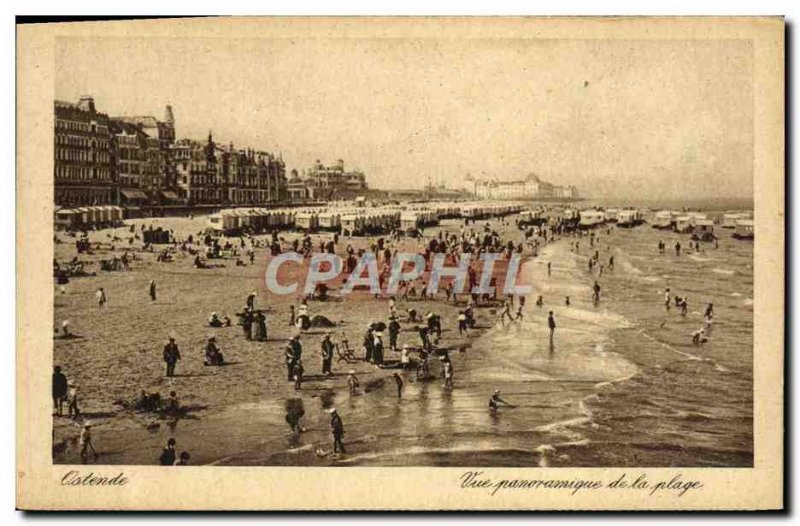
[622,383]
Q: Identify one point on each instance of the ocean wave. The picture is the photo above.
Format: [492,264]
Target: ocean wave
[724,271]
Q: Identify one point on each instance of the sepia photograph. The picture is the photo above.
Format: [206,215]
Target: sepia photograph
[422,249]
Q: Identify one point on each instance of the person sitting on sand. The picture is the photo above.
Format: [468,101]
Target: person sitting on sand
[699,336]
[214,320]
[495,400]
[171,404]
[213,354]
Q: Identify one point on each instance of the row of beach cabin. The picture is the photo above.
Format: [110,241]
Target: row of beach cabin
[700,226]
[88,217]
[352,221]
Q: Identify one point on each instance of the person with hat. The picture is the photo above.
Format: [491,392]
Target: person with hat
[214,320]
[183,460]
[251,300]
[405,359]
[377,349]
[86,441]
[394,331]
[167,457]
[72,401]
[290,361]
[327,354]
[337,429]
[152,290]
[171,356]
[59,391]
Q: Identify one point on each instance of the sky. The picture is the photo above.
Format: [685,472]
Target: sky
[626,118]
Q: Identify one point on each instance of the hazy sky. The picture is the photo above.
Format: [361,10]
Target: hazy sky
[614,118]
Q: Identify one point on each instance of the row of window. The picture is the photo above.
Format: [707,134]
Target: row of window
[86,127]
[81,142]
[82,173]
[82,156]
[83,196]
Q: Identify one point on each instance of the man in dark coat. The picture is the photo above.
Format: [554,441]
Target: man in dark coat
[289,357]
[327,354]
[171,356]
[59,390]
[394,331]
[368,344]
[337,429]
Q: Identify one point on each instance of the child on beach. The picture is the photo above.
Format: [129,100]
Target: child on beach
[72,401]
[297,375]
[352,382]
[86,441]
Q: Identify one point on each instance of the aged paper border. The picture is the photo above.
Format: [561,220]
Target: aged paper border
[245,488]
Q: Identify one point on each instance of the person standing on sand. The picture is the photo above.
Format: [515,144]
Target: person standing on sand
[171,356]
[447,373]
[677,248]
[86,441]
[667,299]
[327,354]
[297,374]
[152,290]
[59,391]
[394,331]
[548,269]
[399,382]
[337,430]
[611,263]
[368,344]
[551,323]
[377,350]
[72,401]
[167,457]
[101,297]
[289,357]
[352,382]
[291,316]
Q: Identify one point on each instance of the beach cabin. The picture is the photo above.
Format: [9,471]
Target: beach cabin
[214,222]
[306,220]
[629,218]
[664,220]
[66,218]
[744,229]
[729,220]
[612,214]
[329,221]
[684,224]
[409,221]
[703,230]
[591,218]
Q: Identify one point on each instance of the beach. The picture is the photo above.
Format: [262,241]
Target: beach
[621,384]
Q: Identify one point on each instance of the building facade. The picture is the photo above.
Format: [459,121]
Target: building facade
[84,172]
[136,161]
[531,187]
[326,182]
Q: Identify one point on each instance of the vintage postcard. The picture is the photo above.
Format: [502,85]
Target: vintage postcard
[401,264]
